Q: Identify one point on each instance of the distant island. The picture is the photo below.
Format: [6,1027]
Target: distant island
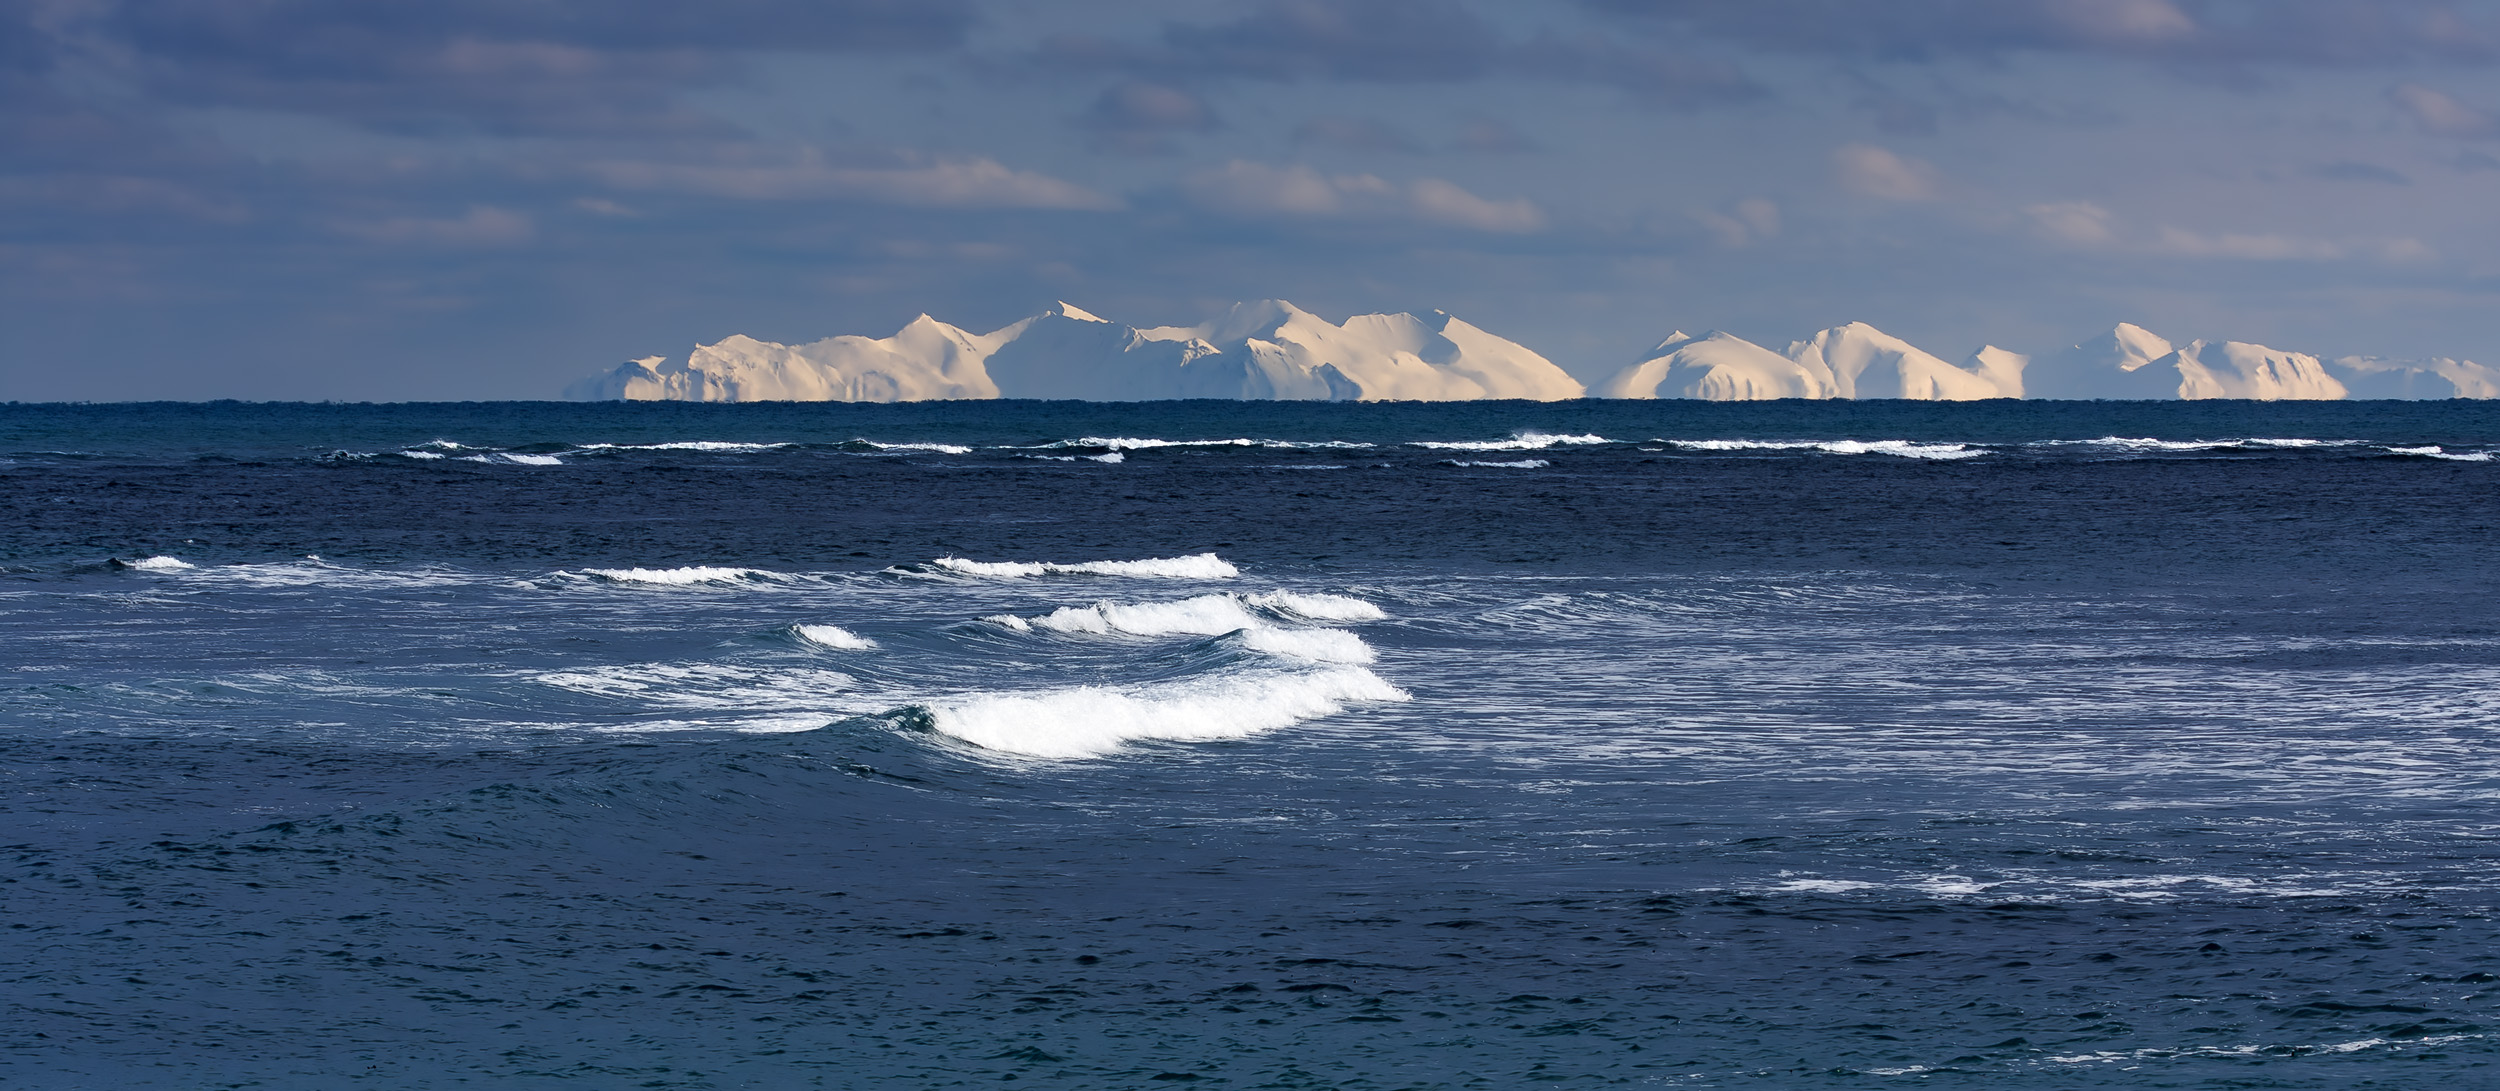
[1273,350]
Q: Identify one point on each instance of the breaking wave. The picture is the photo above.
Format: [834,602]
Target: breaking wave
[2435,451]
[1133,443]
[1522,464]
[689,576]
[158,564]
[1090,721]
[1253,616]
[1520,441]
[833,636]
[1897,447]
[1196,566]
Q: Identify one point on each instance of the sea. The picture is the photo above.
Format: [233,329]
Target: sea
[1250,745]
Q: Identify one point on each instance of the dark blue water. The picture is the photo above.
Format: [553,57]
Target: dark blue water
[681,746]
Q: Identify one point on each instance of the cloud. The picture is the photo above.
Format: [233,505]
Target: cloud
[2340,32]
[1367,40]
[1441,201]
[1245,188]
[1489,137]
[1876,172]
[481,225]
[1747,222]
[1141,117]
[1400,41]
[2348,170]
[543,66]
[2265,247]
[1354,134]
[2076,223]
[943,183]
[2441,114]
[2084,225]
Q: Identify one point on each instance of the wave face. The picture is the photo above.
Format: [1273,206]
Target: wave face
[2005,746]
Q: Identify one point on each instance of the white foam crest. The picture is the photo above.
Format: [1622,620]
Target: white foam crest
[686,445]
[1135,443]
[1217,615]
[1522,464]
[2358,1045]
[312,571]
[160,564]
[421,455]
[941,448]
[718,696]
[1317,607]
[1196,566]
[1089,721]
[2126,443]
[1113,456]
[1205,615]
[833,636]
[1520,441]
[1901,448]
[1317,645]
[508,458]
[689,576]
[2443,453]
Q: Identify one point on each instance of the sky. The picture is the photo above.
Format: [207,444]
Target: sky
[487,199]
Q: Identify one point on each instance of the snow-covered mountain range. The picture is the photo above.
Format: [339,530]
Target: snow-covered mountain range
[1272,349]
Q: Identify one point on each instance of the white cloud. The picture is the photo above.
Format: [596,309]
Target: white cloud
[482,225]
[2123,22]
[2269,247]
[1245,188]
[2080,223]
[1876,172]
[2087,226]
[944,183]
[1444,202]
[2442,114]
[1751,220]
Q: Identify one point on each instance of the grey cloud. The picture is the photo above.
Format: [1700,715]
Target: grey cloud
[2352,171]
[1400,41]
[571,66]
[1354,134]
[1141,117]
[1487,136]
[2344,32]
[1382,40]
[2441,114]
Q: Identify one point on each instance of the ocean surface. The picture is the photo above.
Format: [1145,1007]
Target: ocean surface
[2021,745]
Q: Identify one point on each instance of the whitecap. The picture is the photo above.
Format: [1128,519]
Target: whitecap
[1520,441]
[1135,443]
[718,445]
[1522,464]
[1317,645]
[421,455]
[940,448]
[1216,615]
[1089,721]
[833,636]
[1901,448]
[159,564]
[2443,453]
[1317,607]
[1113,456]
[689,576]
[1196,566]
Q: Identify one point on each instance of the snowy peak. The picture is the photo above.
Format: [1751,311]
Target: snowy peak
[1263,349]
[1860,361]
[1718,367]
[2237,369]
